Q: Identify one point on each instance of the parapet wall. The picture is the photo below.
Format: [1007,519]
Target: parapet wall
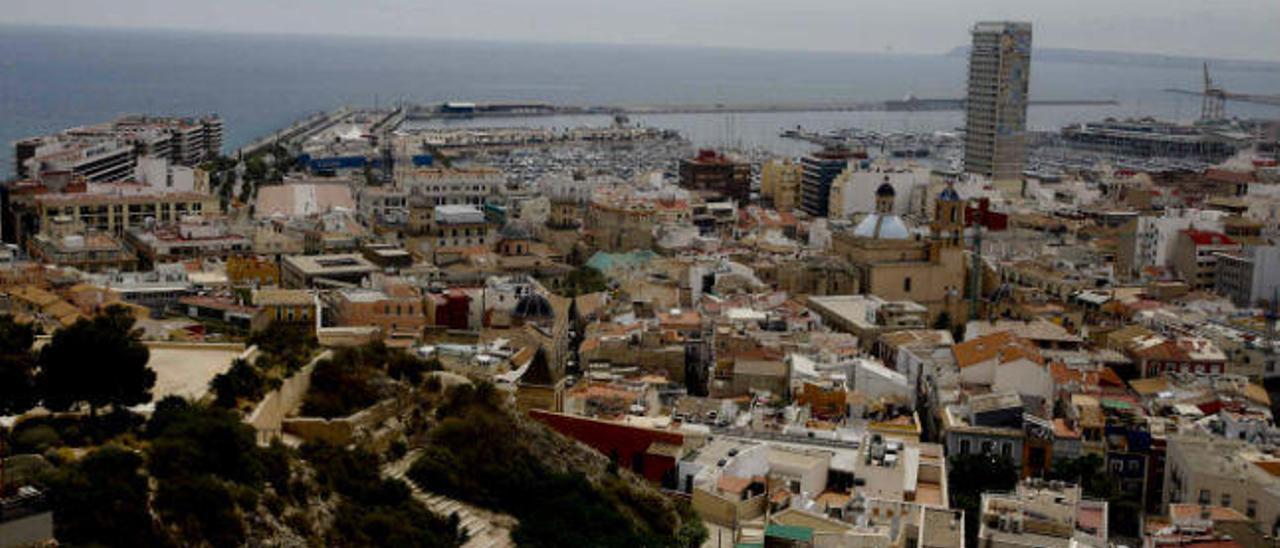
[268,416]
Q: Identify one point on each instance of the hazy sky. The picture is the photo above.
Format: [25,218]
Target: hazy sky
[1221,28]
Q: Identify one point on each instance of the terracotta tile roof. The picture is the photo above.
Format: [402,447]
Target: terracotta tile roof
[1089,378]
[1149,386]
[1225,176]
[1269,466]
[1062,430]
[733,484]
[1002,345]
[1216,513]
[1206,237]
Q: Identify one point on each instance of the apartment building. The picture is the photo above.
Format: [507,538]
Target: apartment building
[996,105]
[452,186]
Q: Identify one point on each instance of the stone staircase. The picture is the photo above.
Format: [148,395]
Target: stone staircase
[484,529]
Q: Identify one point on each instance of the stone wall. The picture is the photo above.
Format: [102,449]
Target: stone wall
[726,512]
[342,430]
[268,416]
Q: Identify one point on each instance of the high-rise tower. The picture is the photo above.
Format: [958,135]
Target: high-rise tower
[996,106]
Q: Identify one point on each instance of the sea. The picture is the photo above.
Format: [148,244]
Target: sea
[52,78]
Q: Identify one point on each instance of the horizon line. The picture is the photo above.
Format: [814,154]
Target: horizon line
[638,45]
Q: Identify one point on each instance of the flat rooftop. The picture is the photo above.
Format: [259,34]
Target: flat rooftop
[330,264]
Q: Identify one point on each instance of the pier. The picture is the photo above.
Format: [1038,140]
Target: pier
[507,110]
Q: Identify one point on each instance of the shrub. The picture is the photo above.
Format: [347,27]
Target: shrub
[102,500]
[241,381]
[341,386]
[288,346]
[189,440]
[35,439]
[374,511]
[201,507]
[477,453]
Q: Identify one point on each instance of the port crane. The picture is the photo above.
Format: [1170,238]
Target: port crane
[1214,97]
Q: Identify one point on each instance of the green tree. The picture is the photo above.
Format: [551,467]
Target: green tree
[1090,473]
[96,362]
[287,345]
[201,507]
[191,439]
[943,322]
[583,280]
[344,384]
[374,511]
[102,500]
[971,475]
[17,367]
[477,452]
[242,380]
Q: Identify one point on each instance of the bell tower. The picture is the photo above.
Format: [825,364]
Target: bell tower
[948,218]
[885,197]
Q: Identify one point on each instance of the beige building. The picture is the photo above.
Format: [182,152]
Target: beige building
[117,207]
[896,263]
[1042,514]
[1195,255]
[294,306]
[1210,470]
[780,183]
[395,309]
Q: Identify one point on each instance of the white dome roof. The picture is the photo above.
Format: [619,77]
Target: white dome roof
[883,227]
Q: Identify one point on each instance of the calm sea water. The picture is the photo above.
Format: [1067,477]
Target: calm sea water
[55,78]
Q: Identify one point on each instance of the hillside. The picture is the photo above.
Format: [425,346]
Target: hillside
[562,493]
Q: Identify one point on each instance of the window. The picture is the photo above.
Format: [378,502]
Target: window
[906,284]
[1006,449]
[1205,496]
[1251,509]
[964,447]
[1226,500]
[988,447]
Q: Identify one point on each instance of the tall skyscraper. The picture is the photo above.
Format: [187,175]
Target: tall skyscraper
[996,109]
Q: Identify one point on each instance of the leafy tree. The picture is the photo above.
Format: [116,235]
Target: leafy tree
[201,507]
[583,280]
[374,511]
[102,500]
[287,345]
[973,474]
[189,440]
[241,381]
[17,367]
[943,321]
[342,385]
[98,362]
[1090,473]
[477,453]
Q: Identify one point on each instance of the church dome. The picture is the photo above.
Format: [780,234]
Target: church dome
[533,307]
[515,231]
[882,227]
[886,190]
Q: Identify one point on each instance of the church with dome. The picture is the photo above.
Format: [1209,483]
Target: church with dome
[899,262]
[883,224]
